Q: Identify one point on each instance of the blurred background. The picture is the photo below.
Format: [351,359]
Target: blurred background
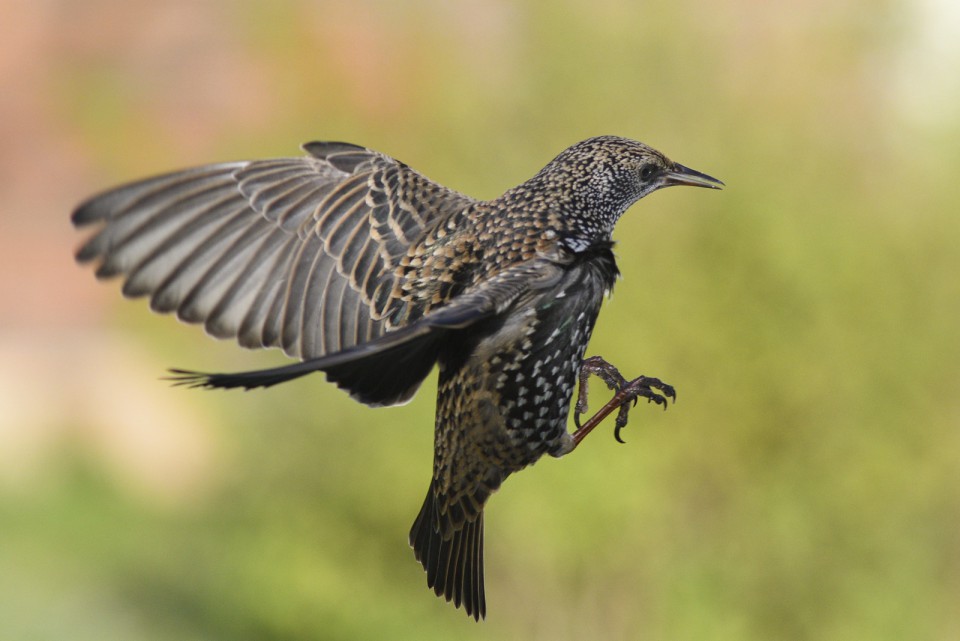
[806,484]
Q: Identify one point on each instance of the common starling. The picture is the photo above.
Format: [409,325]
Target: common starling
[368,271]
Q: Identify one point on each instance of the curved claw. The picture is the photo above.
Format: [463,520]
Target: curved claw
[616,434]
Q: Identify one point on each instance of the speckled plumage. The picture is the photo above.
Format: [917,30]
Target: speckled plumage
[371,273]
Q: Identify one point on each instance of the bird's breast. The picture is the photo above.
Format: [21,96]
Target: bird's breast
[527,364]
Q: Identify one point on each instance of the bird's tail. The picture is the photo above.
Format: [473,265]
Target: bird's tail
[453,560]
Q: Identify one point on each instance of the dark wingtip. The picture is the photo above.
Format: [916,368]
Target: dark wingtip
[86,213]
[189,378]
[85,254]
[203,380]
[246,380]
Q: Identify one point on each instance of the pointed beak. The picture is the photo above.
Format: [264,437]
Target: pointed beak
[685,176]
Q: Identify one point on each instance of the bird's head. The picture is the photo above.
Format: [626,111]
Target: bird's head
[598,179]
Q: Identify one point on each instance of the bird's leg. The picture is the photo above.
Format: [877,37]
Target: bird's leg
[653,389]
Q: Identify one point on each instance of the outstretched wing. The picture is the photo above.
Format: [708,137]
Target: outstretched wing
[297,253]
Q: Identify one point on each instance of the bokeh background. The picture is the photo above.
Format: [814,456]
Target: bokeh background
[805,486]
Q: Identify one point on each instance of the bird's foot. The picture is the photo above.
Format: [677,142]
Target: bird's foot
[627,394]
[600,368]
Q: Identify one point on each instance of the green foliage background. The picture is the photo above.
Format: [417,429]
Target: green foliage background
[804,486]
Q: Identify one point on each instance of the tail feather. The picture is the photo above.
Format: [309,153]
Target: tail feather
[453,560]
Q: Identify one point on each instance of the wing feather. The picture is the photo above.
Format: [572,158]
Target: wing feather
[251,262]
[195,257]
[312,327]
[310,258]
[297,253]
[152,218]
[389,368]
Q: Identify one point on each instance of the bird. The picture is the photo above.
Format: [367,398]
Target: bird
[364,269]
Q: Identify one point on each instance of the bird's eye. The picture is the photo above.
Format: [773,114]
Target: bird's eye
[647,172]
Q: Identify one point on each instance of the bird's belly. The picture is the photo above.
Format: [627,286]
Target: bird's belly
[530,368]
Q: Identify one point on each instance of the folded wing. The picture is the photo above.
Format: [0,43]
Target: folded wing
[388,369]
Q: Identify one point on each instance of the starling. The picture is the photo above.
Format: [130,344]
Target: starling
[368,271]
